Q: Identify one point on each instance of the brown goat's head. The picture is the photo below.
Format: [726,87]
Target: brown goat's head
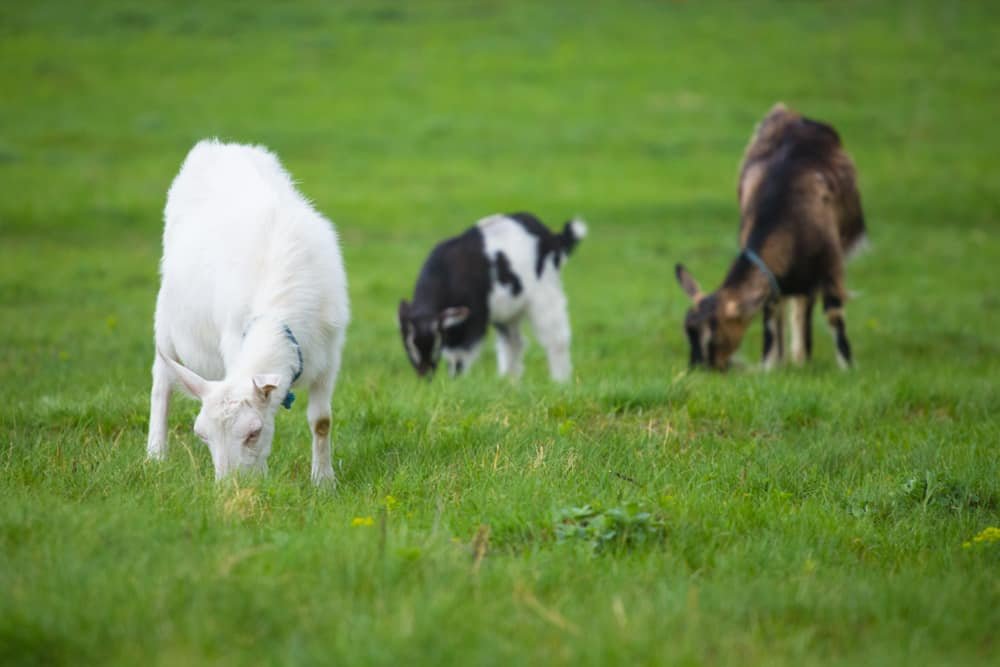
[714,324]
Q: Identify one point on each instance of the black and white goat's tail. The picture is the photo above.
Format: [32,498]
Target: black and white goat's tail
[572,233]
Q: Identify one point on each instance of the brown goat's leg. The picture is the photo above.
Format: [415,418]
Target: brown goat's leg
[801,325]
[833,307]
[774,334]
[807,326]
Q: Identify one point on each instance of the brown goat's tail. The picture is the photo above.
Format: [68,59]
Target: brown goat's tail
[854,237]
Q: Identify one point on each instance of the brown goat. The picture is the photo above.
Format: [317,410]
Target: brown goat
[800,217]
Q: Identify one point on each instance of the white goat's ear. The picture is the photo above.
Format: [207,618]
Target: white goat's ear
[451,317]
[688,283]
[265,384]
[193,383]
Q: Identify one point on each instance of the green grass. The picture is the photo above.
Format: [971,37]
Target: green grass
[801,517]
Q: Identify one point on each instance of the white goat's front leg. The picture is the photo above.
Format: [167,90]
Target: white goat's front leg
[320,422]
[510,349]
[550,321]
[159,406]
[321,418]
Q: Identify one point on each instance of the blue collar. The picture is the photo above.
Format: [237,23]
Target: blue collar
[759,263]
[290,396]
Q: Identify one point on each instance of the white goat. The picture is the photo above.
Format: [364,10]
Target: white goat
[253,299]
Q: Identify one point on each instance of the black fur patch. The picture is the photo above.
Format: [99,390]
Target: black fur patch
[557,245]
[768,334]
[506,276]
[457,273]
[695,344]
[831,301]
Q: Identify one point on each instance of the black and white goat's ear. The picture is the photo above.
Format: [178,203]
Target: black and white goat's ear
[451,317]
[265,384]
[688,283]
[193,383]
[404,312]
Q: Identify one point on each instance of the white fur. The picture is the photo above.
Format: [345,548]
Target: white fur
[579,228]
[244,256]
[541,299]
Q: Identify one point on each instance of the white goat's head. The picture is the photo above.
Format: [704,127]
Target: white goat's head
[236,420]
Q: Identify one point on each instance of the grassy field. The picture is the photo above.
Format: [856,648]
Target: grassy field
[801,517]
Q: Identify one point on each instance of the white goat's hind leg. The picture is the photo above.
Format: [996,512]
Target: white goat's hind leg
[510,349]
[550,321]
[159,406]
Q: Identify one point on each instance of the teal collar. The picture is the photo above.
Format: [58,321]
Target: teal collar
[290,396]
[759,263]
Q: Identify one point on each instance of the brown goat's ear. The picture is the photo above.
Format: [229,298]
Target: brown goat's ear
[688,283]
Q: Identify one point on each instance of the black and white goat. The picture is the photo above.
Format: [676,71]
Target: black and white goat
[504,269]
[801,218]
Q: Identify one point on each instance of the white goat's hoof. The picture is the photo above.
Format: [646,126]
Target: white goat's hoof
[324,478]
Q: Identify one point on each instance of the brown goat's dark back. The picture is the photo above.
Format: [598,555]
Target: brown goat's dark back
[794,165]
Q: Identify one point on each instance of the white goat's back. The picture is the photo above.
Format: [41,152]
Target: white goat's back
[239,241]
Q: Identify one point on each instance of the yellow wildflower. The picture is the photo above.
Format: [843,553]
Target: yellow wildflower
[362,521]
[390,503]
[989,534]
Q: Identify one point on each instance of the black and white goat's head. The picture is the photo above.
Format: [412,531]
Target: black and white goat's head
[423,332]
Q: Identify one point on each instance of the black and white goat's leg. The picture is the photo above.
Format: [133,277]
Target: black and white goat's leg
[800,315]
[834,297]
[550,322]
[321,417]
[510,349]
[460,359]
[774,333]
